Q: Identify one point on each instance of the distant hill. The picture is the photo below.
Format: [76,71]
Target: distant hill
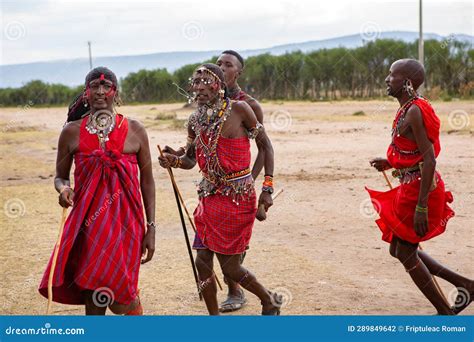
[72,71]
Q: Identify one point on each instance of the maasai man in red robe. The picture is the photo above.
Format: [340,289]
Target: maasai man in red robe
[232,65]
[218,136]
[105,235]
[417,209]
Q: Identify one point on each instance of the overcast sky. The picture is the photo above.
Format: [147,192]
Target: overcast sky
[48,30]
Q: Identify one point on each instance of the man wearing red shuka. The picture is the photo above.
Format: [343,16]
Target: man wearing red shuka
[218,141]
[104,236]
[417,209]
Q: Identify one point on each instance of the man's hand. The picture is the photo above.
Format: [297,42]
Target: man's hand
[167,160]
[148,245]
[381,164]
[265,199]
[170,150]
[65,197]
[421,223]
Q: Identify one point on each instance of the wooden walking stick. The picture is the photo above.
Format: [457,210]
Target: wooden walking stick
[179,200]
[420,248]
[261,213]
[53,262]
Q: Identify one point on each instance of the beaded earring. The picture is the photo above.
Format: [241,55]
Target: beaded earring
[408,86]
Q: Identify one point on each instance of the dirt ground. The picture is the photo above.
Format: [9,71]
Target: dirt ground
[320,246]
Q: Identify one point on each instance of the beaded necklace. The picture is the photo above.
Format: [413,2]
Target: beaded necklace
[208,129]
[101,123]
[400,117]
[397,124]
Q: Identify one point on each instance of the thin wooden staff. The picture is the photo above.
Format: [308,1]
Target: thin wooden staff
[179,199]
[261,213]
[53,262]
[440,290]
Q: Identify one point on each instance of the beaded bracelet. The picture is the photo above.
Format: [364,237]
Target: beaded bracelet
[268,182]
[177,163]
[421,209]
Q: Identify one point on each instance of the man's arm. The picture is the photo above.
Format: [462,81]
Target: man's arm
[262,154]
[187,160]
[250,122]
[147,187]
[415,122]
[63,166]
[147,182]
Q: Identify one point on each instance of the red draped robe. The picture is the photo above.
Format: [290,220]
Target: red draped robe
[102,238]
[396,207]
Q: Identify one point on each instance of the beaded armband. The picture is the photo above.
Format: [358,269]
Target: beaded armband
[253,132]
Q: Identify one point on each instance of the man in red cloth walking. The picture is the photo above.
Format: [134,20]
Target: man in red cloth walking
[417,210]
[104,236]
[218,141]
[232,65]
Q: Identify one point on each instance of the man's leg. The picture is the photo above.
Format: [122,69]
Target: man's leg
[465,286]
[91,307]
[235,295]
[234,288]
[122,309]
[207,281]
[407,253]
[443,272]
[232,269]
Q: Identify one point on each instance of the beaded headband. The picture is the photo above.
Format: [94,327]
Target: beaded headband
[204,69]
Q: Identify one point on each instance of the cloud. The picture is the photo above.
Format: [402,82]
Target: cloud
[60,29]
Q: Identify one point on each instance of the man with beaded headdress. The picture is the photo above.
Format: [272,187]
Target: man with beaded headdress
[218,141]
[232,65]
[105,235]
[417,209]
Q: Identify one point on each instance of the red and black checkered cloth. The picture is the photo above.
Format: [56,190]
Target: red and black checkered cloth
[224,226]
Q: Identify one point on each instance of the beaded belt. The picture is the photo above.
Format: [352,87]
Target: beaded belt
[238,175]
[409,174]
[401,173]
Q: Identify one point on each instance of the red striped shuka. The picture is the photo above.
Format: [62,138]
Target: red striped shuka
[102,238]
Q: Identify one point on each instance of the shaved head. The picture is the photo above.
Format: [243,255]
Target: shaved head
[411,69]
